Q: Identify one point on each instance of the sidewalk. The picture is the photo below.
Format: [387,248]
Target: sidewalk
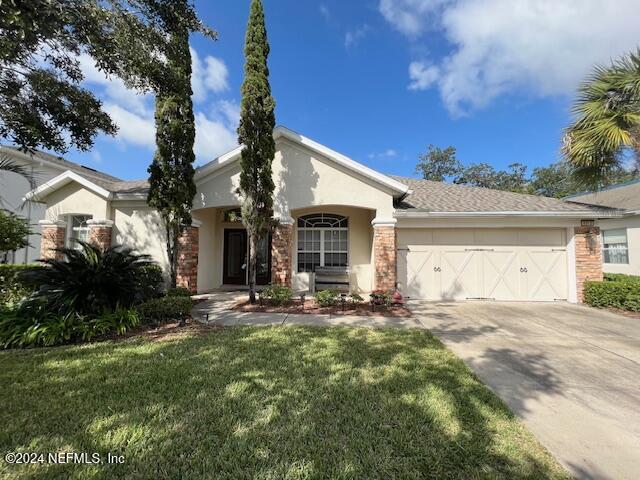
[216,310]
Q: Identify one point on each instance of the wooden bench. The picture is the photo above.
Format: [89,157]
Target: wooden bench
[332,278]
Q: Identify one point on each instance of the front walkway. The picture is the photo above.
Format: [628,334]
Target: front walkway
[216,310]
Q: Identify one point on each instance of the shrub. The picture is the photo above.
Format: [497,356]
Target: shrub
[14,231]
[276,294]
[380,297]
[54,329]
[327,298]
[13,286]
[178,292]
[356,299]
[164,309]
[617,294]
[151,282]
[88,281]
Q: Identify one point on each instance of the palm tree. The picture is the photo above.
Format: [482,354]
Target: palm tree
[607,126]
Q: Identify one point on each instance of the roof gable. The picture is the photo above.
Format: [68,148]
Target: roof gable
[399,189]
[625,196]
[64,179]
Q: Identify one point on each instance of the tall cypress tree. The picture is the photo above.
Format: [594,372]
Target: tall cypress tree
[255,132]
[171,182]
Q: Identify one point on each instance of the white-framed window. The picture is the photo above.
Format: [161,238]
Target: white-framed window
[614,246]
[323,240]
[77,229]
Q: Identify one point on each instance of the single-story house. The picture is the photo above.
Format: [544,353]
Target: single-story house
[13,187]
[431,240]
[620,236]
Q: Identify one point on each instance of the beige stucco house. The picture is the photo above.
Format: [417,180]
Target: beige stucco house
[620,237]
[431,240]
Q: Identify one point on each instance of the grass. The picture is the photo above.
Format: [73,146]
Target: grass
[265,403]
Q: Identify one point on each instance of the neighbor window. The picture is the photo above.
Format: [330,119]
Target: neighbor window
[322,241]
[614,246]
[78,230]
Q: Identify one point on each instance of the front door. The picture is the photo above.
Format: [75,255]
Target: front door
[236,258]
[234,271]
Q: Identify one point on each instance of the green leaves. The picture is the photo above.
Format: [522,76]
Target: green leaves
[255,132]
[607,113]
[14,232]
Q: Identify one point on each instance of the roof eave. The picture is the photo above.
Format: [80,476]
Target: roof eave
[60,181]
[566,214]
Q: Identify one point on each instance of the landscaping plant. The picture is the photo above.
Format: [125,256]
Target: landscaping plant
[276,295]
[622,294]
[87,281]
[255,132]
[166,308]
[327,298]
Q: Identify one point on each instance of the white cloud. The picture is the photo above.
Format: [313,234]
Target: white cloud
[214,136]
[352,37]
[114,89]
[210,75]
[134,129]
[324,11]
[422,75]
[541,47]
[388,153]
[411,17]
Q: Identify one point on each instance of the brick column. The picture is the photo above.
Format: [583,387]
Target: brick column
[385,254]
[100,232]
[187,271]
[281,251]
[588,257]
[53,236]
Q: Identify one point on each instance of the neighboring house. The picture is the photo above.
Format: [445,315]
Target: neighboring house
[620,236]
[432,240]
[14,187]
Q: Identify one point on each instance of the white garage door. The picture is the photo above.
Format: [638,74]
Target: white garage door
[499,264]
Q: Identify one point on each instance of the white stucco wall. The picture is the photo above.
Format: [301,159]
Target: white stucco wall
[74,199]
[14,187]
[632,225]
[140,227]
[303,179]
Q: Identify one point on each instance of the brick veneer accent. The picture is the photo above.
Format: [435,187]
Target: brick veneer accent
[385,260]
[588,257]
[53,236]
[281,251]
[187,271]
[100,235]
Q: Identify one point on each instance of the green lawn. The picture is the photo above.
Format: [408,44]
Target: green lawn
[263,403]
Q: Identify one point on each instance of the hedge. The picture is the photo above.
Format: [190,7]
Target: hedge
[621,277]
[617,294]
[165,308]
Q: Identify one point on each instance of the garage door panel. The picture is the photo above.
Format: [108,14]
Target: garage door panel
[546,274]
[501,275]
[416,276]
[459,274]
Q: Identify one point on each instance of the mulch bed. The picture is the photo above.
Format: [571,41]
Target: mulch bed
[311,307]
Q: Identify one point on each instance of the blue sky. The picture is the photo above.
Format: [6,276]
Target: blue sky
[379,80]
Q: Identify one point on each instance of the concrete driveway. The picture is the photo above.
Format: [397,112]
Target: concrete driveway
[572,373]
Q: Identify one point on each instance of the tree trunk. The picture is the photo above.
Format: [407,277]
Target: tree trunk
[253,255]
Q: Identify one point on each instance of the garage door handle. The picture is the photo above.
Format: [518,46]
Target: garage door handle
[437,269]
[523,270]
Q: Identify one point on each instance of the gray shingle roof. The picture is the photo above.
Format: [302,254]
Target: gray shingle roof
[104,180]
[67,165]
[430,196]
[625,196]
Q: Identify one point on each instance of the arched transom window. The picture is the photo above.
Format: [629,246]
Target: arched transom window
[323,240]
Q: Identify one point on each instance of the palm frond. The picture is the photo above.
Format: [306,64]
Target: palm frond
[7,164]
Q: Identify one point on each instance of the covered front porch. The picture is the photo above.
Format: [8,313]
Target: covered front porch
[338,236]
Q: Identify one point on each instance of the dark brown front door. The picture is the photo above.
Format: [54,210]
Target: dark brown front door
[235,257]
